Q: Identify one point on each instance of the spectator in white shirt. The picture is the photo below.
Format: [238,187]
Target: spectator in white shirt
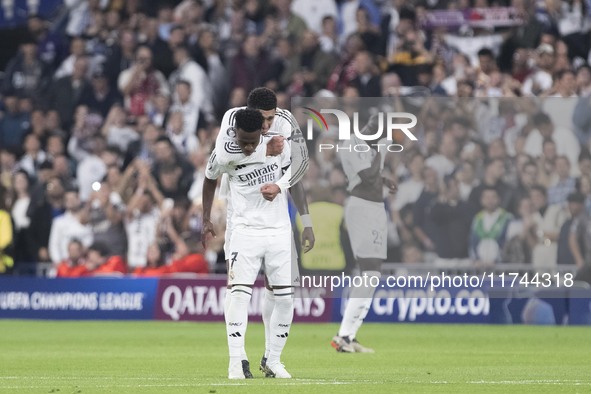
[78,16]
[467,179]
[313,12]
[73,224]
[216,70]
[117,131]
[566,142]
[188,70]
[142,219]
[92,168]
[184,143]
[328,35]
[77,50]
[410,190]
[541,79]
[184,105]
[159,110]
[34,156]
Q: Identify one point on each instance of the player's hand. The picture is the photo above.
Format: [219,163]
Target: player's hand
[205,230]
[270,191]
[391,185]
[275,146]
[308,239]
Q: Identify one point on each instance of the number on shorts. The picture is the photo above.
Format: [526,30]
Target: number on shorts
[377,237]
[233,260]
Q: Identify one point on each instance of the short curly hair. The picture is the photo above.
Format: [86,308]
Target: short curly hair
[262,99]
[249,120]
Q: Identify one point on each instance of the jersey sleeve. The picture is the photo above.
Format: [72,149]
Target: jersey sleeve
[214,169]
[226,148]
[284,182]
[290,129]
[299,157]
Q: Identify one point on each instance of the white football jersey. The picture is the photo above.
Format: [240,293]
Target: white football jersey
[284,124]
[354,162]
[251,213]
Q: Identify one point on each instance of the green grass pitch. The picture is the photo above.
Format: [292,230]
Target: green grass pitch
[162,357]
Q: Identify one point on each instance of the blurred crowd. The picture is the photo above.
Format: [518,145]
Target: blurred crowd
[108,120]
[489,180]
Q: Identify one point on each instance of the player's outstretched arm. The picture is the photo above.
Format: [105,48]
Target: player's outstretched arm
[209,186]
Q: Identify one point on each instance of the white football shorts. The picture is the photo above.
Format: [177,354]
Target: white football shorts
[247,252]
[368,228]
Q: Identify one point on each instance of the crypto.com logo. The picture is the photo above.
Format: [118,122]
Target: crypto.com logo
[344,124]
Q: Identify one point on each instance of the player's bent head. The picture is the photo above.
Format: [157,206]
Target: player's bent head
[249,120]
[262,99]
[249,123]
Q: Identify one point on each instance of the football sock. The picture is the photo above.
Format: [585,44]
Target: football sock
[268,306]
[227,304]
[226,309]
[360,299]
[237,320]
[280,323]
[367,305]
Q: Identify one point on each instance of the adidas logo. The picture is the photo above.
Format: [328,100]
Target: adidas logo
[283,325]
[283,335]
[235,335]
[239,167]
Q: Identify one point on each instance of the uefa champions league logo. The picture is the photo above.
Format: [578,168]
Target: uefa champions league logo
[373,131]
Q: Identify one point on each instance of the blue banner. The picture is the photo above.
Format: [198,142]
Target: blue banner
[79,299]
[199,299]
[579,307]
[444,305]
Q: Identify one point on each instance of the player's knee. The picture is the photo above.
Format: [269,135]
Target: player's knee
[284,297]
[241,292]
[371,282]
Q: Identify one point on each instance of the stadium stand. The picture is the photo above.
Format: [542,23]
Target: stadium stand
[110,109]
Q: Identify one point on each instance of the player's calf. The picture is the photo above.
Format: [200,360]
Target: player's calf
[281,320]
[236,323]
